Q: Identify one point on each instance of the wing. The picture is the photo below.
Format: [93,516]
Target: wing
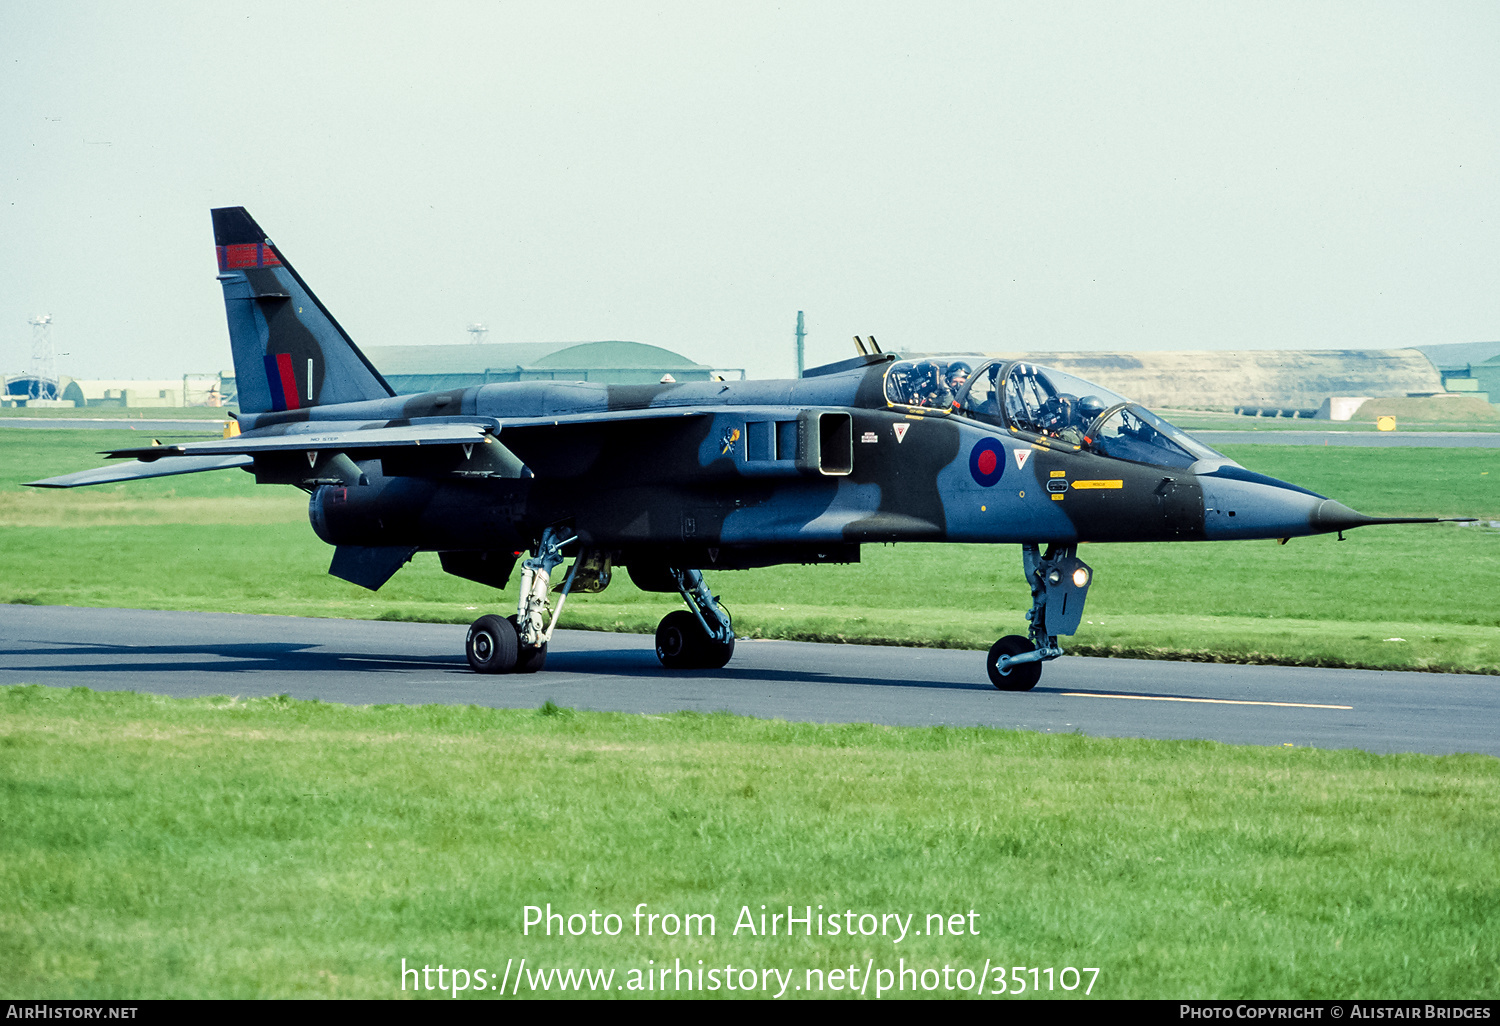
[313,453]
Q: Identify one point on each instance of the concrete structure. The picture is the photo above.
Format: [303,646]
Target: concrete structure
[1341,407]
[1272,379]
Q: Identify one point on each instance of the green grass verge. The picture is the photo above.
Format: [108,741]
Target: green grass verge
[1410,414]
[1398,597]
[213,847]
[118,412]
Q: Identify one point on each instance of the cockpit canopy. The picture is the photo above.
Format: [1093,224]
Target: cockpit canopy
[1044,405]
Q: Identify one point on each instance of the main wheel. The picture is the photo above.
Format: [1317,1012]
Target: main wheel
[1013,678]
[491,645]
[715,654]
[528,660]
[681,643]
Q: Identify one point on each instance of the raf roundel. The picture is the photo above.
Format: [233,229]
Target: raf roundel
[987,461]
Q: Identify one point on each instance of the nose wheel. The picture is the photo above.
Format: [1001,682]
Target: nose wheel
[1009,676]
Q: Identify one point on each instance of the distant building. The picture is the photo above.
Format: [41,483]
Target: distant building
[27,388]
[413,369]
[188,390]
[1472,368]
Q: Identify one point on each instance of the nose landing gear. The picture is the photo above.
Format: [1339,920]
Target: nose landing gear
[1059,585]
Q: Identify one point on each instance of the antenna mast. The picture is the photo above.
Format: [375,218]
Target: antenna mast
[801,334]
[43,362]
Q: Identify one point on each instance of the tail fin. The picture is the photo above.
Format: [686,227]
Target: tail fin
[289,352]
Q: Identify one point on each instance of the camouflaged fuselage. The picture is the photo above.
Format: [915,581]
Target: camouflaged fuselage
[747,473]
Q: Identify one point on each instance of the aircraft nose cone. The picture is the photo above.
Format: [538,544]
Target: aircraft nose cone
[1242,504]
[1332,515]
[1335,516]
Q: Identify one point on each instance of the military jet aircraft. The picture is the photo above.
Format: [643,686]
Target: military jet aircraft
[674,479]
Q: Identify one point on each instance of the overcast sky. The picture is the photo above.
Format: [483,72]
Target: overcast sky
[1034,176]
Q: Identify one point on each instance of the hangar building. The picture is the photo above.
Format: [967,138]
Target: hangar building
[412,369]
[1472,368]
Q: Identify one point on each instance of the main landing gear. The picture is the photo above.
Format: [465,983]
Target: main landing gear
[1059,585]
[701,638]
[518,643]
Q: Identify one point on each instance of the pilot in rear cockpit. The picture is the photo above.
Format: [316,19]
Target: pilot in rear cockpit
[958,374]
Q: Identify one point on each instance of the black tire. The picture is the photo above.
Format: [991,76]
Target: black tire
[1016,678]
[716,653]
[491,645]
[528,660]
[680,641]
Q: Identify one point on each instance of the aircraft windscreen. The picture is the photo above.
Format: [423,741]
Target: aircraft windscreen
[1135,433]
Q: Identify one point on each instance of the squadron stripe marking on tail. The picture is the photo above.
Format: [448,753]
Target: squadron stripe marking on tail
[282,381]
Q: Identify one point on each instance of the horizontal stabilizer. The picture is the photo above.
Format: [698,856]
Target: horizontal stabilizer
[369,566]
[140,470]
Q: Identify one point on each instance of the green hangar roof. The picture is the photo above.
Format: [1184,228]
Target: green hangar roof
[431,368]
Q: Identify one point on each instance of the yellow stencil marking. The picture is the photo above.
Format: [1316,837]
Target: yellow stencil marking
[1059,473]
[1098,484]
[1204,701]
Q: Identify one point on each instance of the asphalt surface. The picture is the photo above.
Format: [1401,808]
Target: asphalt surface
[369,662]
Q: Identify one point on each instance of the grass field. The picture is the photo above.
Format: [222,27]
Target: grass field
[1418,596]
[189,413]
[186,848]
[221,848]
[1411,415]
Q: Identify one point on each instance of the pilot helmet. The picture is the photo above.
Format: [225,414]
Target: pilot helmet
[927,376]
[958,373]
[1057,410]
[1089,408]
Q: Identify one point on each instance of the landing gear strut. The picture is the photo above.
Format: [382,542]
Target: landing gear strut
[698,639]
[518,643]
[1059,585]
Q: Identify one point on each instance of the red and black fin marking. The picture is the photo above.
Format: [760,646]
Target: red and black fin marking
[289,351]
